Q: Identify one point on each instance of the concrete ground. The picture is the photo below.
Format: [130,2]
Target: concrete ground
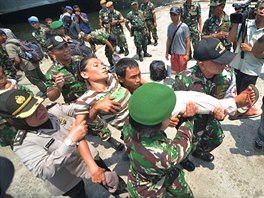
[236,172]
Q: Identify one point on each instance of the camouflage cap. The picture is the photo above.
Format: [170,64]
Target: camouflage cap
[214,3]
[151,103]
[109,3]
[56,24]
[18,104]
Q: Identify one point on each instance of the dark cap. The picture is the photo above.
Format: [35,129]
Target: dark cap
[175,10]
[214,50]
[18,104]
[151,103]
[55,42]
[216,3]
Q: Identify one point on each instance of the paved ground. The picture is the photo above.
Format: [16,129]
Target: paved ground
[237,171]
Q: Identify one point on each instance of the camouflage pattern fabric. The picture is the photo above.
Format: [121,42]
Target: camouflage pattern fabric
[190,16]
[117,30]
[137,21]
[153,171]
[99,38]
[40,36]
[103,15]
[7,132]
[72,88]
[148,10]
[213,25]
[208,133]
[7,64]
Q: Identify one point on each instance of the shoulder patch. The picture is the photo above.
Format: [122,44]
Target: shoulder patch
[19,138]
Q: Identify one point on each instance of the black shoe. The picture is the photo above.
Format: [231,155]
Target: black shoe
[146,54]
[208,157]
[126,52]
[140,58]
[155,43]
[259,144]
[118,146]
[149,41]
[187,165]
[121,51]
[121,188]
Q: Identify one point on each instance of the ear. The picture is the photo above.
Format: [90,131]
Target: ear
[121,79]
[84,75]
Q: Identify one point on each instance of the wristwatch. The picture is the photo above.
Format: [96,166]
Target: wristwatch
[68,141]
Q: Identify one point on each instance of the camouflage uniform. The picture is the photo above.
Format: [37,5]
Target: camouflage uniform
[73,89]
[117,29]
[99,38]
[220,86]
[40,36]
[138,30]
[153,171]
[103,15]
[190,16]
[148,11]
[7,132]
[7,64]
[213,25]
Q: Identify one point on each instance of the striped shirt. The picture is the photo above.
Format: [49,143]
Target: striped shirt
[121,94]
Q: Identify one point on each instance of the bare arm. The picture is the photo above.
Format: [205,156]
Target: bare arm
[200,24]
[232,37]
[168,42]
[258,48]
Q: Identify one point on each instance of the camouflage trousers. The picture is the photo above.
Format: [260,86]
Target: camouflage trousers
[98,127]
[108,54]
[177,188]
[7,134]
[208,135]
[119,36]
[152,30]
[10,71]
[195,37]
[141,41]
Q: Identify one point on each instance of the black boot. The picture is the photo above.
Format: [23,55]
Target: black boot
[121,51]
[208,157]
[126,52]
[149,41]
[155,43]
[140,57]
[187,165]
[118,146]
[146,54]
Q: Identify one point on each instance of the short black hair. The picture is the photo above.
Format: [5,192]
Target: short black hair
[123,64]
[2,32]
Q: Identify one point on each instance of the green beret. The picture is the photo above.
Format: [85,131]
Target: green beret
[56,24]
[151,103]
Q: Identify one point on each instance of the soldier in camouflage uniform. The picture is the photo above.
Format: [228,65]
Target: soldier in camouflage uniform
[7,64]
[154,157]
[210,77]
[191,15]
[138,30]
[39,32]
[116,29]
[103,17]
[62,79]
[218,25]
[99,37]
[148,10]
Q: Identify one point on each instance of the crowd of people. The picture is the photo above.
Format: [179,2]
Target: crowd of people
[51,141]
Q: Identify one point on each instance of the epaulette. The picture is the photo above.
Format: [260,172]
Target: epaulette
[19,138]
